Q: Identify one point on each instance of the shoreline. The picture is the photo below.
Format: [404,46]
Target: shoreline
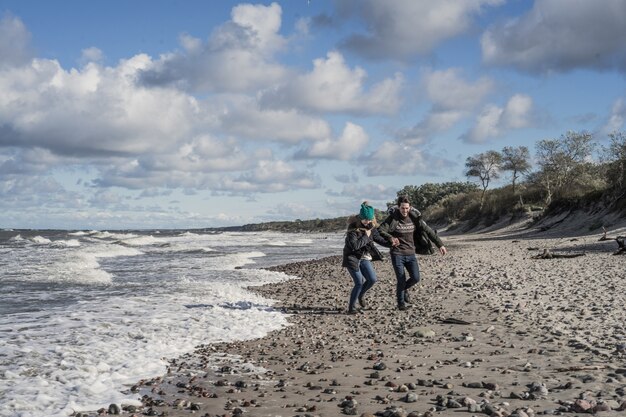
[493,331]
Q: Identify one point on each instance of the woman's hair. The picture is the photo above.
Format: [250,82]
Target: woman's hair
[403,199]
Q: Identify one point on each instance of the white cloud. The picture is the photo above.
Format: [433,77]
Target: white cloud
[269,176]
[495,121]
[452,99]
[449,91]
[373,193]
[237,57]
[290,210]
[401,29]
[243,117]
[348,146]
[393,158]
[92,111]
[617,118]
[560,35]
[20,192]
[15,49]
[92,54]
[333,87]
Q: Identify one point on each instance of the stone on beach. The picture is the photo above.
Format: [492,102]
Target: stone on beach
[528,334]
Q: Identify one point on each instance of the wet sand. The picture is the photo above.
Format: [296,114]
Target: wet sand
[492,331]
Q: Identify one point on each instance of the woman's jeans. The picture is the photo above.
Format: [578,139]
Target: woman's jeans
[364,278]
[399,263]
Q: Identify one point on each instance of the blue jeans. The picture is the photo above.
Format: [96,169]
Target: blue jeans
[399,263]
[364,278]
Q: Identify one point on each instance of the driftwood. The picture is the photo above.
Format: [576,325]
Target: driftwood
[452,320]
[604,236]
[621,248]
[549,255]
[581,368]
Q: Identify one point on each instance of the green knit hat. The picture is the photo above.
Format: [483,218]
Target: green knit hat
[367,212]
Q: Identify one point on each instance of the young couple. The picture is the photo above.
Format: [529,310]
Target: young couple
[399,231]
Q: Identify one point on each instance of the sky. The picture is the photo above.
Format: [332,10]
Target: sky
[188,114]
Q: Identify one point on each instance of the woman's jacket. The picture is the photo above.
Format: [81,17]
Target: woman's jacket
[358,243]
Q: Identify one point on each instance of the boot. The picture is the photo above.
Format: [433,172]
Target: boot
[407,299]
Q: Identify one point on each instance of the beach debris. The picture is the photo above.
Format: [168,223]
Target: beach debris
[580,368]
[380,366]
[348,406]
[604,236]
[424,332]
[452,320]
[621,247]
[546,254]
[394,412]
[410,397]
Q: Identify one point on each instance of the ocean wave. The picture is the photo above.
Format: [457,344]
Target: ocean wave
[140,241]
[114,236]
[234,260]
[39,240]
[79,233]
[72,243]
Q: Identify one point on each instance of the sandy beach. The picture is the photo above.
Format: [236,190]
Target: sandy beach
[493,330]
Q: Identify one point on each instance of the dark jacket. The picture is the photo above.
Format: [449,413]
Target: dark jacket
[358,243]
[422,236]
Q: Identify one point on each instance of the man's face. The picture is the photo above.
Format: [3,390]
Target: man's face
[404,209]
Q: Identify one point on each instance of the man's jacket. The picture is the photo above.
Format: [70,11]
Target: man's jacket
[422,236]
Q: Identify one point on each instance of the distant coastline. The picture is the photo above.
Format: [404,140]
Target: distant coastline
[293,226]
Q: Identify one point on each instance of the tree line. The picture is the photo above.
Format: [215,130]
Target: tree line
[571,169]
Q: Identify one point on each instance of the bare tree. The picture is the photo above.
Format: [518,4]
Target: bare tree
[516,160]
[485,167]
[560,158]
[616,156]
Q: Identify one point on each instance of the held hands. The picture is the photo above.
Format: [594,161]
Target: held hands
[395,241]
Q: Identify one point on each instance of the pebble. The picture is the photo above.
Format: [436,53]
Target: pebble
[411,397]
[424,332]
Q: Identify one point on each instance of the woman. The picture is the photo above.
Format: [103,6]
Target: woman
[359,251]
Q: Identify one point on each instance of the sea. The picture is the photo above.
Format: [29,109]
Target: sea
[84,315]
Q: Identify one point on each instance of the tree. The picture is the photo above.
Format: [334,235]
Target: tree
[561,160]
[616,156]
[485,167]
[515,160]
[427,194]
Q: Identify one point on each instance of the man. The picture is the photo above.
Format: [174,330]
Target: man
[404,227]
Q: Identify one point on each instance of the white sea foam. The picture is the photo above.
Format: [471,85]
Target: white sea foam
[189,234]
[233,261]
[69,355]
[71,243]
[141,240]
[40,240]
[78,233]
[79,358]
[108,235]
[16,238]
